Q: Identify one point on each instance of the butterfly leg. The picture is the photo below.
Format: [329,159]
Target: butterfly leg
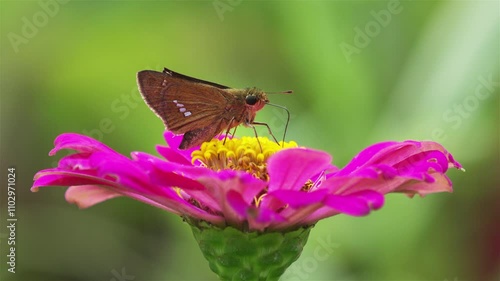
[268,128]
[229,128]
[256,136]
[234,131]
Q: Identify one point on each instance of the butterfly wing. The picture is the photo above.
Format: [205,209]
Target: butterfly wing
[183,105]
[198,136]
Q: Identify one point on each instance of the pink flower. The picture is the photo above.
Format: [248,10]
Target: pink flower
[233,183]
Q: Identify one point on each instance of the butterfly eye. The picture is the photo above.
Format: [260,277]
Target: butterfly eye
[251,100]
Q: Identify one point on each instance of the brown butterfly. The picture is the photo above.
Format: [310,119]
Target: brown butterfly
[199,109]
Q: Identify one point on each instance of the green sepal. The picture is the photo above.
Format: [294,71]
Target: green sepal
[248,256]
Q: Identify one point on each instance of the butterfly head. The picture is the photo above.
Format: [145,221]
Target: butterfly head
[255,99]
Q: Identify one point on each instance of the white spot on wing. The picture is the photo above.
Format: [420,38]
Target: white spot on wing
[181,107]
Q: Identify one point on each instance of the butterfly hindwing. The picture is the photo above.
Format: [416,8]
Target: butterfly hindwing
[198,136]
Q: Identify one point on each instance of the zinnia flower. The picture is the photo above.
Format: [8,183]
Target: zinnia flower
[245,188]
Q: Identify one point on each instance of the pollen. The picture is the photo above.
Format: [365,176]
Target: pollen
[246,154]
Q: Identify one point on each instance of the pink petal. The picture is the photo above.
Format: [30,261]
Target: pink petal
[173,155]
[368,154]
[229,182]
[289,169]
[263,219]
[395,167]
[359,204]
[79,143]
[174,141]
[297,199]
[55,177]
[239,205]
[85,196]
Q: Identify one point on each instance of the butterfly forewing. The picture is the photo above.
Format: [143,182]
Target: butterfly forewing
[182,106]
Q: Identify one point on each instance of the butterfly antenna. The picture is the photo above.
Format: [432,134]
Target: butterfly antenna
[287,118]
[283,92]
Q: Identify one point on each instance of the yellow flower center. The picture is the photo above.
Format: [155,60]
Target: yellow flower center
[246,154]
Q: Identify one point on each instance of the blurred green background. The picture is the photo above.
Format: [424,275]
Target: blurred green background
[361,72]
